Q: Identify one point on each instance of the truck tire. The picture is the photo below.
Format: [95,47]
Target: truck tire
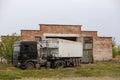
[69,62]
[59,64]
[48,65]
[79,62]
[74,62]
[30,65]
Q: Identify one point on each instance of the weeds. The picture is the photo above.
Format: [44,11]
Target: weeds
[98,69]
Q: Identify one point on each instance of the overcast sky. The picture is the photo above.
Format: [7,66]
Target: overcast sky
[96,15]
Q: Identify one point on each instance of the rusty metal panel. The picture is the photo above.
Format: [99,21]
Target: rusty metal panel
[79,39]
[88,46]
[87,56]
[87,50]
[88,39]
[52,43]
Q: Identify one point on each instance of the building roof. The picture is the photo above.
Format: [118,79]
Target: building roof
[59,25]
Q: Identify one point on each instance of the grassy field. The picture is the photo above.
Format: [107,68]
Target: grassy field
[97,70]
[75,78]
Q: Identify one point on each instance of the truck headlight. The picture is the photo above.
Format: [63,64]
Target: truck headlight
[19,63]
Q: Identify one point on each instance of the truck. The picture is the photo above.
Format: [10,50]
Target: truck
[47,52]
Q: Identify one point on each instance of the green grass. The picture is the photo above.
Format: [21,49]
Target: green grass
[98,69]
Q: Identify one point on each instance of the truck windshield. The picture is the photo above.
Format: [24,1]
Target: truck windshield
[16,48]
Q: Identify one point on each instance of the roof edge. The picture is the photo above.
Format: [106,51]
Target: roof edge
[30,30]
[59,25]
[103,37]
[89,31]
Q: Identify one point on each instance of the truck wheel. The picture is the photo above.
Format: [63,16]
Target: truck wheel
[79,62]
[74,63]
[47,65]
[59,64]
[30,65]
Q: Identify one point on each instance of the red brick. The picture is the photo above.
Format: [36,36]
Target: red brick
[102,46]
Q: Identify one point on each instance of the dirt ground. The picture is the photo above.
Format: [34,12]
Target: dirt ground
[80,78]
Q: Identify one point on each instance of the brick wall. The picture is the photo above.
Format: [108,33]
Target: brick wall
[89,33]
[63,29]
[30,34]
[102,46]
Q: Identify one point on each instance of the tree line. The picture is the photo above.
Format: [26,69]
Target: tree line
[7,45]
[115,48]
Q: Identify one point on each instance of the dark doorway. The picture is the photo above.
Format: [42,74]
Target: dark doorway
[87,50]
[66,38]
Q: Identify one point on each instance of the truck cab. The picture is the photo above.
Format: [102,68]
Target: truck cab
[24,51]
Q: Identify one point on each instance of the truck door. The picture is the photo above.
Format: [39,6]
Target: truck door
[16,53]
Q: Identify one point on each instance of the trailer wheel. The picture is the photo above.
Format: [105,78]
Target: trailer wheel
[79,62]
[59,64]
[74,63]
[30,65]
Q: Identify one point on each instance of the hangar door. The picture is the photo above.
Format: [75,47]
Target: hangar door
[87,50]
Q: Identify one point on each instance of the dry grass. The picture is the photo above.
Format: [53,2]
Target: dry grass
[106,70]
[79,78]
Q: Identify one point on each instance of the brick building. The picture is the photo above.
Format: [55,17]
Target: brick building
[95,48]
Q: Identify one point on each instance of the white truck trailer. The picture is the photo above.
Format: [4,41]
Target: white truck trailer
[50,52]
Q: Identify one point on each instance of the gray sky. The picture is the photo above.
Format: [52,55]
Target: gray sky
[96,15]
